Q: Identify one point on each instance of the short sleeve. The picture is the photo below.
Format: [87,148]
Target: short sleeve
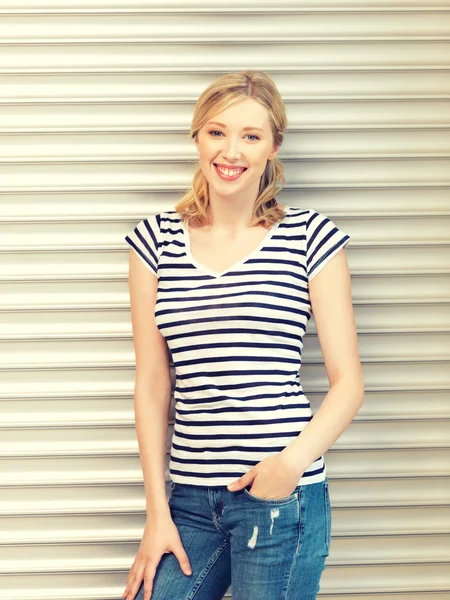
[144,239]
[323,240]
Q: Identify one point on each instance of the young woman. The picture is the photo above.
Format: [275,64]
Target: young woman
[224,286]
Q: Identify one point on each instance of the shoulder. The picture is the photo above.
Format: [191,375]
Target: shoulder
[145,239]
[323,240]
[158,224]
[318,223]
[297,218]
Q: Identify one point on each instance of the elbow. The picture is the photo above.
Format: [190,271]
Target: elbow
[355,381]
[353,386]
[360,391]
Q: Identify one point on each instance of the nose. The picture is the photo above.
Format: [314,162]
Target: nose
[231,149]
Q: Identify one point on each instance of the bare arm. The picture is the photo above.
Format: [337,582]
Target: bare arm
[152,392]
[331,301]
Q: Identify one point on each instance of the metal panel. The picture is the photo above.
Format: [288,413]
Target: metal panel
[96,98]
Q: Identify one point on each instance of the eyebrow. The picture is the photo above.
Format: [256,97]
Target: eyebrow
[222,125]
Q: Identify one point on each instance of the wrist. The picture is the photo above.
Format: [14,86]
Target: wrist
[159,508]
[158,514]
[295,458]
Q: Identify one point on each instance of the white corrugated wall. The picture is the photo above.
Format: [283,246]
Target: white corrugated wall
[96,98]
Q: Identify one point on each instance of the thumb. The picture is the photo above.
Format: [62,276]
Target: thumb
[240,483]
[183,559]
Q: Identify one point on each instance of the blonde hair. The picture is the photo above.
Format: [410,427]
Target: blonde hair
[222,93]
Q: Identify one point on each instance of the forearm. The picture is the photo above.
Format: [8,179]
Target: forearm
[151,406]
[340,405]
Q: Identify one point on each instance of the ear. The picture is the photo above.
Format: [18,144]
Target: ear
[273,153]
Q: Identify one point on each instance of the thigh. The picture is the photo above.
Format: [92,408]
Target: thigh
[309,564]
[207,548]
[279,548]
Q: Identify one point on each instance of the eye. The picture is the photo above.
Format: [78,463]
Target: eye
[216,131]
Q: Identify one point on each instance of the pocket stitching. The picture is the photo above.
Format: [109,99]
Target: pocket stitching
[284,500]
[327,517]
[300,521]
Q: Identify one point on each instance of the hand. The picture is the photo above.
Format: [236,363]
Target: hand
[161,536]
[274,477]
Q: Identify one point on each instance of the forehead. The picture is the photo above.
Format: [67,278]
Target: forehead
[247,113]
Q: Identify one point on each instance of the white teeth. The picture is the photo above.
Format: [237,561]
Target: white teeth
[229,173]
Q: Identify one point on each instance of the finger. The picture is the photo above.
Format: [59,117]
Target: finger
[135,583]
[183,559]
[126,591]
[129,580]
[148,583]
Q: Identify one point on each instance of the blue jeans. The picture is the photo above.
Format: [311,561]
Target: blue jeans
[265,549]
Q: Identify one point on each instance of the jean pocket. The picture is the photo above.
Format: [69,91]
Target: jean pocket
[172,485]
[327,515]
[284,500]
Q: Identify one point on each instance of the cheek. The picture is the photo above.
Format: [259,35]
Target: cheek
[206,167]
[258,166]
[206,146]
[258,159]
[207,157]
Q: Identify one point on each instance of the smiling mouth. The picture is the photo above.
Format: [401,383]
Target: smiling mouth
[229,172]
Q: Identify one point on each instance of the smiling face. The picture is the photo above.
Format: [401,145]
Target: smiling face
[234,147]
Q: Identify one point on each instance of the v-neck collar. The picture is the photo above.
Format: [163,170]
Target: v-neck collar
[217,274]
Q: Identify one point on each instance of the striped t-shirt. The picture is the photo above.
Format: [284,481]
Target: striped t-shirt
[236,339]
